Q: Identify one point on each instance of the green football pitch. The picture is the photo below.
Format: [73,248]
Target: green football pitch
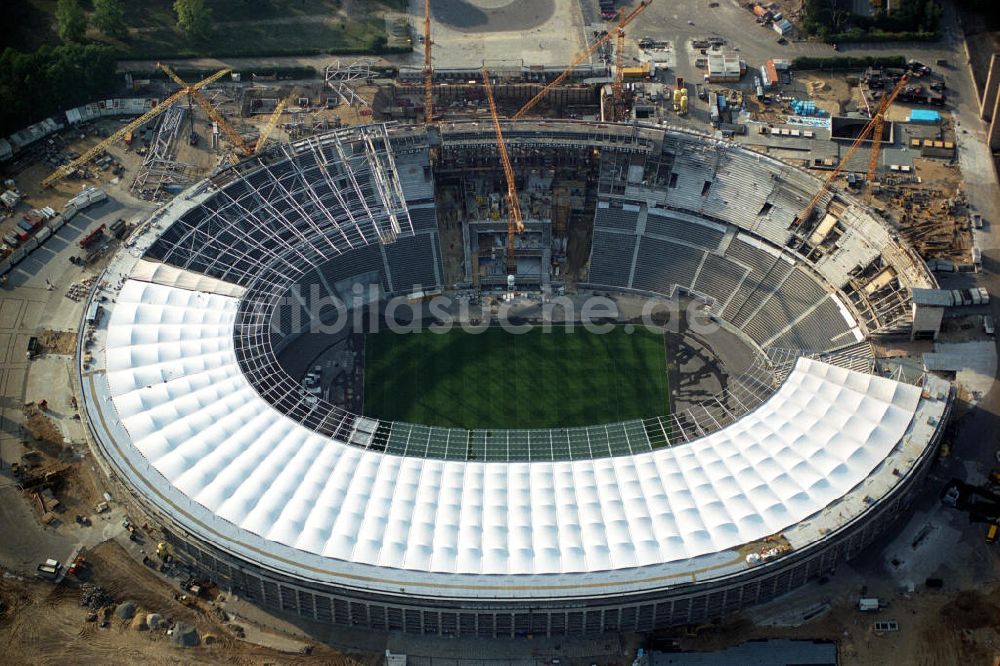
[497,379]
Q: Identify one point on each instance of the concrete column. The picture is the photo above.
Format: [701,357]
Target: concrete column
[993,136]
[990,91]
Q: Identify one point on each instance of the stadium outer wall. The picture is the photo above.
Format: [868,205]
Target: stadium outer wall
[578,616]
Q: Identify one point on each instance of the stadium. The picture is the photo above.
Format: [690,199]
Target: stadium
[491,484]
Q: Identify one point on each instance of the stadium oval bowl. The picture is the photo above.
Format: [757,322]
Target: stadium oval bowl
[305,508]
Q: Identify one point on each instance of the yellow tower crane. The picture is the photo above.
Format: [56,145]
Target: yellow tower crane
[127,130]
[617,100]
[515,223]
[875,125]
[271,123]
[234,137]
[879,120]
[579,59]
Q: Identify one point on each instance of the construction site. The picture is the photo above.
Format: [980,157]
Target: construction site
[838,225]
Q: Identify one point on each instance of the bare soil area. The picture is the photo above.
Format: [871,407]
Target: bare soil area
[830,92]
[41,624]
[935,629]
[58,342]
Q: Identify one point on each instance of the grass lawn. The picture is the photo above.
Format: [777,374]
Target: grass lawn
[239,27]
[497,380]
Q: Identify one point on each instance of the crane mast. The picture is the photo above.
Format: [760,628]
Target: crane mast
[232,135]
[617,102]
[428,70]
[579,59]
[874,126]
[515,223]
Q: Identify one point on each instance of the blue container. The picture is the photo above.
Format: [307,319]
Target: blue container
[924,116]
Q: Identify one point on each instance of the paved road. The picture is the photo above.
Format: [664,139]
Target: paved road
[26,305]
[665,19]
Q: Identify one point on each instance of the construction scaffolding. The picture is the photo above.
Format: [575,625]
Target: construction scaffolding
[341,79]
[160,170]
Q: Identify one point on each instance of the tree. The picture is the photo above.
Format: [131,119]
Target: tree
[109,17]
[71,20]
[51,80]
[193,17]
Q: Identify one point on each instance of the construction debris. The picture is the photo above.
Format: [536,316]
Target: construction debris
[94,597]
[79,290]
[57,342]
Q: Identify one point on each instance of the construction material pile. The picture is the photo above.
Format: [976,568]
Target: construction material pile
[94,597]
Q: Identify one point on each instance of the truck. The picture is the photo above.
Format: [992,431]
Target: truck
[49,570]
[90,238]
[713,108]
[33,347]
[608,9]
[87,197]
[118,228]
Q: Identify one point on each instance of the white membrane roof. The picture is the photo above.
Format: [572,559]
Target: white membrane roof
[189,411]
[171,276]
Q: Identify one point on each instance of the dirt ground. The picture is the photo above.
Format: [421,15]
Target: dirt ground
[42,428]
[935,629]
[58,342]
[830,92]
[924,207]
[45,625]
[78,493]
[75,488]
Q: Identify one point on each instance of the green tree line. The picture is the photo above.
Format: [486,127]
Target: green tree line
[36,85]
[909,20]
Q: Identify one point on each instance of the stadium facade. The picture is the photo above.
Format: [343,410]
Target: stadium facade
[300,505]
